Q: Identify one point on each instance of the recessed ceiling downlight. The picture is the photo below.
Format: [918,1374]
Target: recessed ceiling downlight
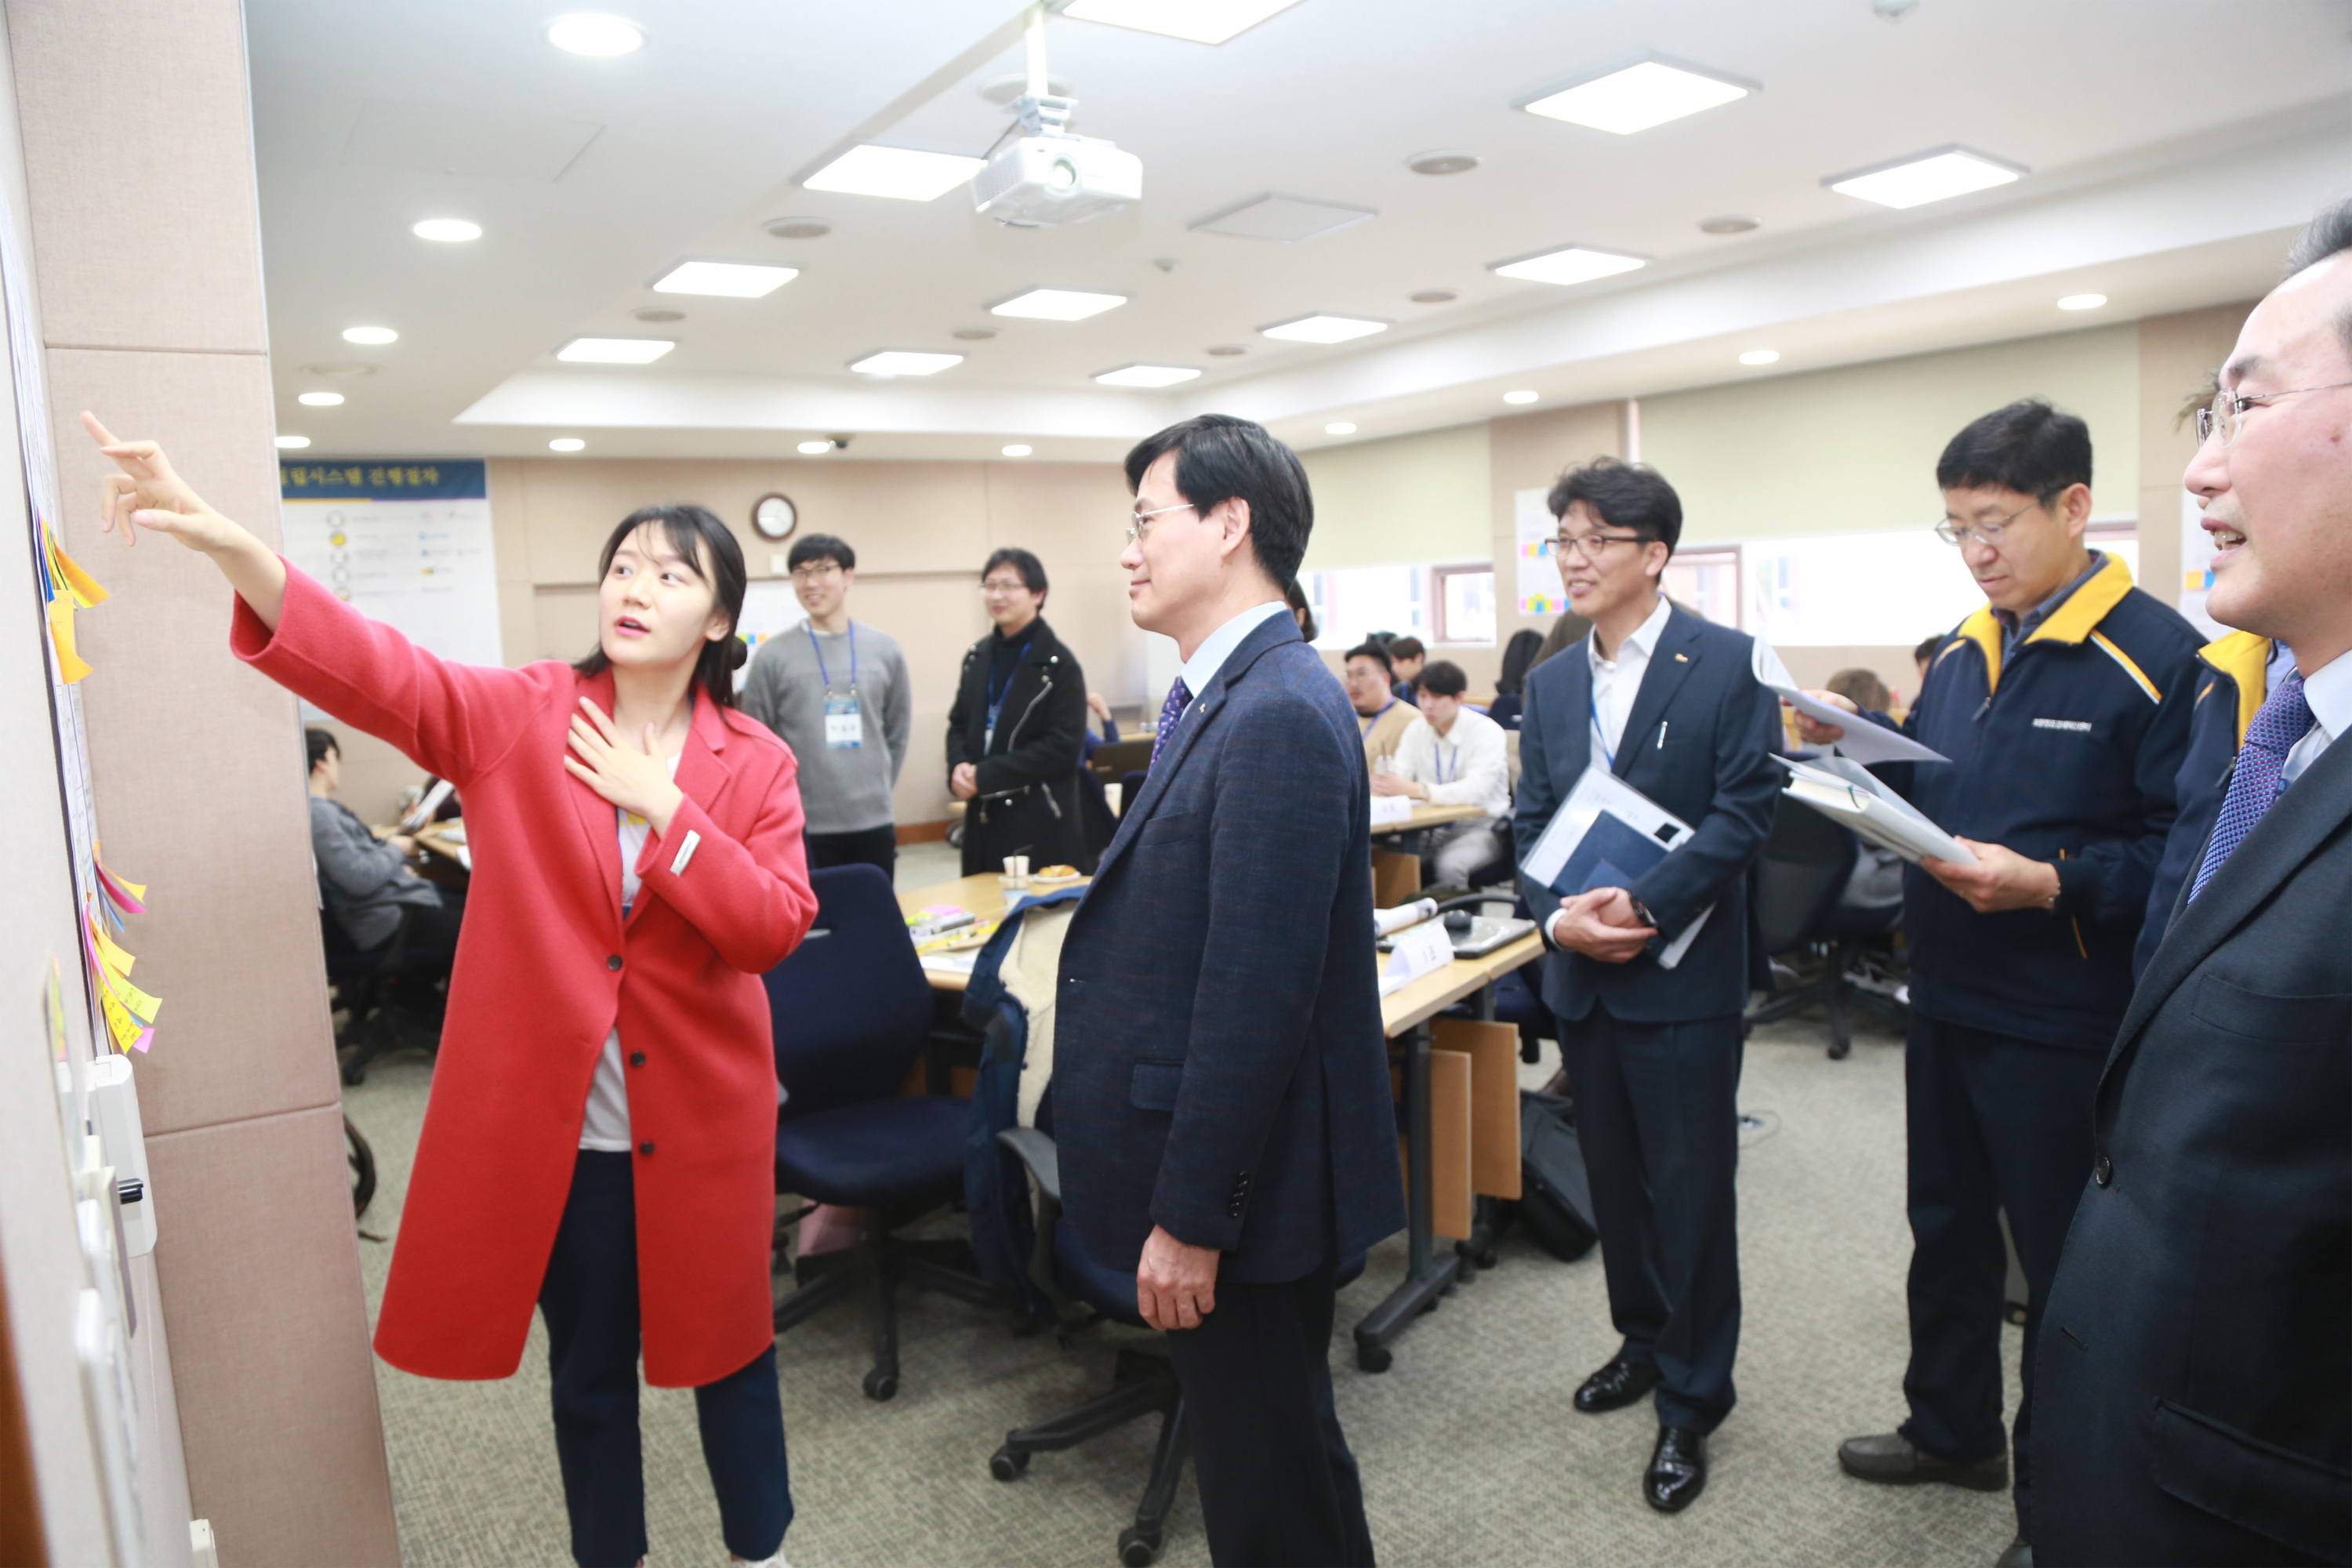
[1018,450]
[905,362]
[1433,296]
[292,443]
[903,173]
[614,350]
[1339,427]
[1569,265]
[373,336]
[594,33]
[448,230]
[1761,356]
[798,227]
[1931,176]
[320,399]
[727,279]
[1521,397]
[567,444]
[1729,223]
[1324,328]
[813,448]
[1441,163]
[1057,304]
[1148,375]
[2081,302]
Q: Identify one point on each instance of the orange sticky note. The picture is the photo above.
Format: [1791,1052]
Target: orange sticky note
[83,587]
[71,666]
[117,961]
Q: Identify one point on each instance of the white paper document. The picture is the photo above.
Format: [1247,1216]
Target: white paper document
[1388,808]
[1610,823]
[1847,793]
[1414,951]
[1863,741]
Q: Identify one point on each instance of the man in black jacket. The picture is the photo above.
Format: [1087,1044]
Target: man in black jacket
[1017,732]
[2195,1395]
[2062,706]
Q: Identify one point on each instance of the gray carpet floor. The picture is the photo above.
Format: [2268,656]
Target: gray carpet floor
[1470,1451]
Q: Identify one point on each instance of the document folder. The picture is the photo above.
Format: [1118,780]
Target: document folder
[1607,833]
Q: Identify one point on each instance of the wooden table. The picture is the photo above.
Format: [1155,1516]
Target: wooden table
[1406,1012]
[985,894]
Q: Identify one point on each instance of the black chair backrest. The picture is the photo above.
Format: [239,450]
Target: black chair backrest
[1804,868]
[851,1007]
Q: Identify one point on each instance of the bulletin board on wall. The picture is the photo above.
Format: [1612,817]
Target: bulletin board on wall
[406,542]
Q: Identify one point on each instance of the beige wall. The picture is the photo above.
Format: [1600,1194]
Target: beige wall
[143,228]
[921,531]
[2178,358]
[1418,498]
[1853,449]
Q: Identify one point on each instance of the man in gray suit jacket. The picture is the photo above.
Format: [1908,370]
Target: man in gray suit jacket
[2194,1397]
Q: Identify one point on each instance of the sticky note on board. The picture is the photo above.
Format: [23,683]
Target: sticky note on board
[109,953]
[119,1021]
[79,584]
[71,666]
[125,895]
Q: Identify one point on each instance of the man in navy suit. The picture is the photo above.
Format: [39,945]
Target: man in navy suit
[1671,705]
[2193,1401]
[1221,1086]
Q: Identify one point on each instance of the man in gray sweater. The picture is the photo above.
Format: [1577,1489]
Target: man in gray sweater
[836,693]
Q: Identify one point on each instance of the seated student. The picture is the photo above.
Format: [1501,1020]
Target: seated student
[369,888]
[1100,709]
[1406,658]
[1370,681]
[1453,755]
[1924,655]
[1511,685]
[1295,598]
[1863,689]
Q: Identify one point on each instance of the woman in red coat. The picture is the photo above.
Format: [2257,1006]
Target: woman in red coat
[600,1136]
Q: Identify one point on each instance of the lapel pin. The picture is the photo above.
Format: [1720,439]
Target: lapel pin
[1681,658]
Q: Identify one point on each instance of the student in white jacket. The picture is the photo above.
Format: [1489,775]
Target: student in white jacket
[1453,755]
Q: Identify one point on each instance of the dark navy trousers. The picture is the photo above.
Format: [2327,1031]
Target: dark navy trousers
[590,1302]
[1995,1124]
[1657,1113]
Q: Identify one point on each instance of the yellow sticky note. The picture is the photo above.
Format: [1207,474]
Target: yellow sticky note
[81,584]
[109,951]
[69,664]
[141,1006]
[118,1022]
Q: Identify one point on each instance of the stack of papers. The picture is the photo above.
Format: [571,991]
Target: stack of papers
[1847,793]
[1863,741]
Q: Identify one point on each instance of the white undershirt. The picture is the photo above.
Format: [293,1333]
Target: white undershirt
[2329,691]
[605,1126]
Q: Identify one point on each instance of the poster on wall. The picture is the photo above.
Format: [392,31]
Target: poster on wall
[1539,591]
[406,542]
[2196,568]
[770,609]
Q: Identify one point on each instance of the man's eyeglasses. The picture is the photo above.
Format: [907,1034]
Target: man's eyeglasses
[1952,533]
[995,587]
[2227,413]
[816,572]
[1139,524]
[1589,546]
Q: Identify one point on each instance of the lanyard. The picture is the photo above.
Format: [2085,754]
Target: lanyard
[1601,736]
[1437,759]
[822,674]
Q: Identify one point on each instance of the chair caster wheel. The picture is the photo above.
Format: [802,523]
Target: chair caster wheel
[1841,1049]
[1136,1549]
[880,1384]
[1488,1259]
[1375,1358]
[1006,1465]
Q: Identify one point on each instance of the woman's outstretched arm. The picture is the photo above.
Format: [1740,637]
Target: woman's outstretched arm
[146,493]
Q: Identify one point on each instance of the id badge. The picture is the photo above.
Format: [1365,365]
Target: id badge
[845,728]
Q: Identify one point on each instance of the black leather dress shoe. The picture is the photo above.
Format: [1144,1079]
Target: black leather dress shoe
[1616,1385]
[1891,1459]
[1678,1472]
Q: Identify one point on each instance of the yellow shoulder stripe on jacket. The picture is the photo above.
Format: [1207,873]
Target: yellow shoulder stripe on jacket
[2245,658]
[2120,657]
[2072,621]
[1981,629]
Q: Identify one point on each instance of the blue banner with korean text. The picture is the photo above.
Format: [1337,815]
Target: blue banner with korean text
[385,479]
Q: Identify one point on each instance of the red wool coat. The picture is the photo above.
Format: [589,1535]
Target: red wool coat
[545,967]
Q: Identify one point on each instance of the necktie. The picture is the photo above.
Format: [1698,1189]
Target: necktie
[2254,784]
[1179,696]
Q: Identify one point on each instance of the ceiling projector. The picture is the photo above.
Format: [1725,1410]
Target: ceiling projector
[1050,176]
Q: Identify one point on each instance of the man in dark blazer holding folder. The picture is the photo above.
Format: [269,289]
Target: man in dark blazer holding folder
[1220,1082]
[1672,706]
[2193,1395]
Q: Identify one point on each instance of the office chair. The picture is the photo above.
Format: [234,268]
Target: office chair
[361,981]
[1803,870]
[1143,1381]
[852,1013]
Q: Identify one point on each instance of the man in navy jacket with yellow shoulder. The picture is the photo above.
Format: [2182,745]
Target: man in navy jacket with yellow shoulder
[1221,1084]
[1671,705]
[2063,706]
